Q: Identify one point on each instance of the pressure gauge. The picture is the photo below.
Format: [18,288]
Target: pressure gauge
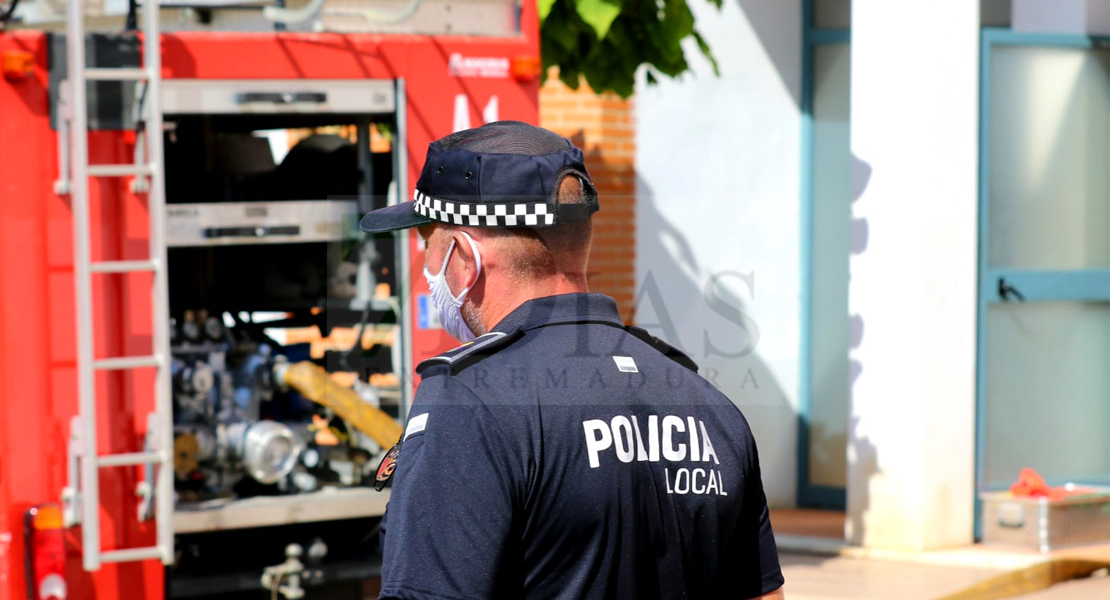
[190,330]
[214,329]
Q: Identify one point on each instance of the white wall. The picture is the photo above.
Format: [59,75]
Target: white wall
[718,206]
[914,123]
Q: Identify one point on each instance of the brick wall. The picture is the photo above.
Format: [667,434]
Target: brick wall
[604,127]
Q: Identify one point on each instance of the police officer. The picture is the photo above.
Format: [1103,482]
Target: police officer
[556,453]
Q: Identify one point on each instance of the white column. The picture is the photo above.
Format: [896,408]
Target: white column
[914,132]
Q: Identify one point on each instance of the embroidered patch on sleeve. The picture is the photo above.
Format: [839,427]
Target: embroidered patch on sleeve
[386,467]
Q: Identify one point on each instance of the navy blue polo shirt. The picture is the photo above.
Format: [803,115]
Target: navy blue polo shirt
[565,456]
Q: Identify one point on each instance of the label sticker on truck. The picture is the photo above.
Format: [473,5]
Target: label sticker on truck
[426,315]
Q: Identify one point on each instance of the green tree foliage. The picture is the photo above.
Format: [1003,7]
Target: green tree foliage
[607,40]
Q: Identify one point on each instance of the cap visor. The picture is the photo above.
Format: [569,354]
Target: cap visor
[392,218]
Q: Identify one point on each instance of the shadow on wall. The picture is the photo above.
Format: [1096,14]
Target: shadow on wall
[863,460]
[768,18]
[701,312]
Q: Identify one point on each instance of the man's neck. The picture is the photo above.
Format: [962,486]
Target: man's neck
[498,306]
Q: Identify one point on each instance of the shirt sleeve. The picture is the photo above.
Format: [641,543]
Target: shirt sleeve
[454,493]
[759,565]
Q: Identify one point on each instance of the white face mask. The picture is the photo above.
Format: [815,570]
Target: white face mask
[448,306]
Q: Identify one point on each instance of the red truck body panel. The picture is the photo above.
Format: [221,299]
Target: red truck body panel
[38,390]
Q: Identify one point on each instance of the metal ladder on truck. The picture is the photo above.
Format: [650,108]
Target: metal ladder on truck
[81,499]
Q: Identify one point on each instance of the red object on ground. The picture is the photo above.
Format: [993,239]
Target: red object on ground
[1030,484]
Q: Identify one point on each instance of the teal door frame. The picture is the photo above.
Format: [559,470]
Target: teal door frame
[1034,285]
[809,495]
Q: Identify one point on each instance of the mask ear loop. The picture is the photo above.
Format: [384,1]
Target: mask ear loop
[477,262]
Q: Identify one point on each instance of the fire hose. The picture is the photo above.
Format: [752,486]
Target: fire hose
[314,384]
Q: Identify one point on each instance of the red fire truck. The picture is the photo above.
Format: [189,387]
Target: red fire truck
[180,262]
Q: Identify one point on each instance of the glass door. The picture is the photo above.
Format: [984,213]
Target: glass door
[826,201]
[1044,276]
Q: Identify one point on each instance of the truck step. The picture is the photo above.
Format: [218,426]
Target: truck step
[129,459]
[124,266]
[127,362]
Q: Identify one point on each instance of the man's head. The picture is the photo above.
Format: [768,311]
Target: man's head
[505,212]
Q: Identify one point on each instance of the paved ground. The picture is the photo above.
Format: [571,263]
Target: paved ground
[1095,588]
[842,578]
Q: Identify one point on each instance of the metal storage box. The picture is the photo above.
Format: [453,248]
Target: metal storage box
[1045,524]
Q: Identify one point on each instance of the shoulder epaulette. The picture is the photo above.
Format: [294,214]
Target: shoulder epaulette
[470,352]
[663,347]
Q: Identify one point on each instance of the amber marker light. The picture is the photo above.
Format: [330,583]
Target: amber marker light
[526,68]
[46,553]
[17,64]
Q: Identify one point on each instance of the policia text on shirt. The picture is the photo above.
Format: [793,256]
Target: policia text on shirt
[622,435]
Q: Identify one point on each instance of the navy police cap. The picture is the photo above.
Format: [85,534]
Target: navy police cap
[502,174]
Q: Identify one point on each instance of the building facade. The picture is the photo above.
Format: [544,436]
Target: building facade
[884,231]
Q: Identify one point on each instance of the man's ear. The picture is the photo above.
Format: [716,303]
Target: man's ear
[466,253]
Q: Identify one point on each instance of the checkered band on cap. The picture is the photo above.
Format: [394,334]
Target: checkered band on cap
[484,214]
